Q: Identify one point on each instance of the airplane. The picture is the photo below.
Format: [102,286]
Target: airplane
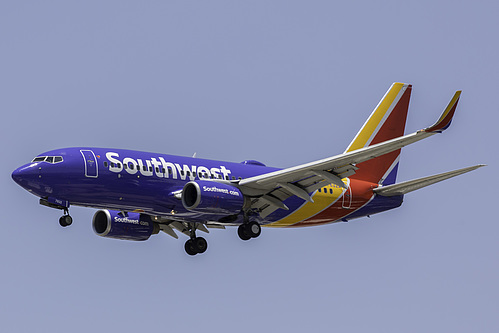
[139,194]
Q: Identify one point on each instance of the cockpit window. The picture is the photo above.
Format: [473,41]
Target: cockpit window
[48,159]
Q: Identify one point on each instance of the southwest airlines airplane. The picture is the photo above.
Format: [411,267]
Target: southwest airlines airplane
[139,194]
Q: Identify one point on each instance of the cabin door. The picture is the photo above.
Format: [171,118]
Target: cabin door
[347,198]
[91,168]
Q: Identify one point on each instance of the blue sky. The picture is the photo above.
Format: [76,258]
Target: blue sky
[283,82]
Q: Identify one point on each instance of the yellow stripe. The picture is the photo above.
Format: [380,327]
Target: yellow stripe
[376,117]
[321,201]
[450,106]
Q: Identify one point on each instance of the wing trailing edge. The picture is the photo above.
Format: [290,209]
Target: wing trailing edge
[416,184]
[349,159]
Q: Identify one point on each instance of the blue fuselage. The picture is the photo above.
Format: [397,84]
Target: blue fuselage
[126,180]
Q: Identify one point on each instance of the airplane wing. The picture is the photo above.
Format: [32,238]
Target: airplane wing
[271,189]
[416,184]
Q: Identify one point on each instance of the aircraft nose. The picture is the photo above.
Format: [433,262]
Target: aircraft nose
[24,174]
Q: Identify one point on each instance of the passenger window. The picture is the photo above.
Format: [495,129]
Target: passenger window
[188,173]
[157,169]
[125,166]
[112,164]
[131,166]
[144,168]
[319,190]
[118,165]
[105,164]
[330,191]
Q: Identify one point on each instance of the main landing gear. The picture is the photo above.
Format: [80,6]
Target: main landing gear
[249,230]
[195,245]
[65,220]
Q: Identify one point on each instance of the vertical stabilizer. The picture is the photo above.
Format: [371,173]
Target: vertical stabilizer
[386,122]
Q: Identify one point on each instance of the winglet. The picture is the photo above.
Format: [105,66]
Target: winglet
[446,117]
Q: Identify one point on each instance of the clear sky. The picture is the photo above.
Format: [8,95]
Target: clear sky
[283,82]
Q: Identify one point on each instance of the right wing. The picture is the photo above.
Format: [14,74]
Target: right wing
[275,187]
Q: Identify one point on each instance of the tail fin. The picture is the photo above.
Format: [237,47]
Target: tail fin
[386,122]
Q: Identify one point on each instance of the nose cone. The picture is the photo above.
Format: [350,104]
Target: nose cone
[25,174]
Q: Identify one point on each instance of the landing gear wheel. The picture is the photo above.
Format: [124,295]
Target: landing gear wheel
[242,232]
[189,248]
[65,220]
[249,230]
[200,244]
[196,245]
[253,229]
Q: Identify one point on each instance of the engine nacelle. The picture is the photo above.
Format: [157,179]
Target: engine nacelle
[129,226]
[212,198]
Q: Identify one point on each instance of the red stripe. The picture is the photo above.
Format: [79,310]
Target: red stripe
[361,194]
[394,127]
[447,119]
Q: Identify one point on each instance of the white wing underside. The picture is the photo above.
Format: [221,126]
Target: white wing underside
[275,187]
[416,184]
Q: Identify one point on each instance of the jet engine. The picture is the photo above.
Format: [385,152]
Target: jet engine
[120,225]
[210,197]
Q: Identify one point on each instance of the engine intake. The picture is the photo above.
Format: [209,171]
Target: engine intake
[212,198]
[128,226]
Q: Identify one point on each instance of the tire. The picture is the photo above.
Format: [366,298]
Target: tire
[253,229]
[242,233]
[65,220]
[189,248]
[69,219]
[200,244]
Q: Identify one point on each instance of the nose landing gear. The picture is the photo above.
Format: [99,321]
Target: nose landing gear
[65,220]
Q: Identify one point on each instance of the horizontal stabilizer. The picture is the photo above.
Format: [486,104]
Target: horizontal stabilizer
[416,184]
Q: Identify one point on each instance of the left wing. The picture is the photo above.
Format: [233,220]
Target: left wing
[416,184]
[275,187]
